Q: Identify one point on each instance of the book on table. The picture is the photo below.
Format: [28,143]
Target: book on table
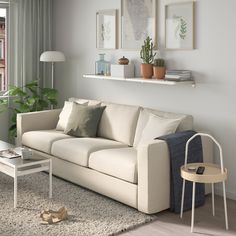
[10,153]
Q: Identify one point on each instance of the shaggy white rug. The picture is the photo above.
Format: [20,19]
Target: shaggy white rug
[89,212]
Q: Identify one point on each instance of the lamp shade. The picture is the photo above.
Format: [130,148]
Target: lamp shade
[52,56]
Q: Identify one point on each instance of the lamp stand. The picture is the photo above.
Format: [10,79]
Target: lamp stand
[52,75]
[52,80]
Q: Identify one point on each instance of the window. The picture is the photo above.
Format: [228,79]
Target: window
[3,48]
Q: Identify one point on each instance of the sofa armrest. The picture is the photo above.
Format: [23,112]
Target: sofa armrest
[153,177]
[39,120]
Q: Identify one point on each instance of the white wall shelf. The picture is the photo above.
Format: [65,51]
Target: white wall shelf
[141,80]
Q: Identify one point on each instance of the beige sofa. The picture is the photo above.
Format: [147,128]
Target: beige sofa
[111,164]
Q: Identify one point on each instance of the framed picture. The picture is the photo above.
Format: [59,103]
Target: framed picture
[107,29]
[138,20]
[179,25]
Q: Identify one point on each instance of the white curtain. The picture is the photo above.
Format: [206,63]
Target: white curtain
[30,29]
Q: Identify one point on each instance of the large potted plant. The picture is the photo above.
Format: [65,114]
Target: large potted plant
[159,69]
[147,56]
[27,99]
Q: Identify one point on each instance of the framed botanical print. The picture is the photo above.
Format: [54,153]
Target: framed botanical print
[107,29]
[179,25]
[138,21]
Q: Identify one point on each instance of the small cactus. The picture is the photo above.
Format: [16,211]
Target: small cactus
[146,52]
[159,62]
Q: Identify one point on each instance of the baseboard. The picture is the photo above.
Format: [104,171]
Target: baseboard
[229,194]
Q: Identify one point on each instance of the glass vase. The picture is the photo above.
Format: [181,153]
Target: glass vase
[102,67]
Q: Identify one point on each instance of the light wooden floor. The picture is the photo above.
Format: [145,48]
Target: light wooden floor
[168,224]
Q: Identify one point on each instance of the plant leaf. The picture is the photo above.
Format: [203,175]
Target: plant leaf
[53,102]
[12,131]
[13,126]
[43,103]
[13,118]
[31,101]
[15,91]
[24,108]
[49,93]
[32,84]
[3,105]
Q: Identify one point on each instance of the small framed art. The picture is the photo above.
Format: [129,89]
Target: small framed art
[179,26]
[107,29]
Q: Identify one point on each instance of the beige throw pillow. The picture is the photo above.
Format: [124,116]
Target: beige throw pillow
[158,126]
[64,115]
[83,120]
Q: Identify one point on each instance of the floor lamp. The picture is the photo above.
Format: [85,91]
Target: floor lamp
[52,56]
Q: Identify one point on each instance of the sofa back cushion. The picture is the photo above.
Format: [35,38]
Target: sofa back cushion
[186,122]
[118,122]
[88,101]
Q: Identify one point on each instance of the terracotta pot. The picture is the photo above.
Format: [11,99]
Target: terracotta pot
[159,72]
[146,71]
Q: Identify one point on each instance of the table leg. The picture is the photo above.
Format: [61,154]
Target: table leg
[15,189]
[225,206]
[193,207]
[213,199]
[182,200]
[50,178]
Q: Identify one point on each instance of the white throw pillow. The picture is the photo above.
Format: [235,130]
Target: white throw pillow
[186,122]
[64,115]
[158,126]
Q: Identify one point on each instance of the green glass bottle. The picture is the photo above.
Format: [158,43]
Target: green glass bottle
[102,67]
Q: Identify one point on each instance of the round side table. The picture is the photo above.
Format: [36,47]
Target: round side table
[212,174]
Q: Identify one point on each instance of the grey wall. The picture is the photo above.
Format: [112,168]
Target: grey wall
[212,102]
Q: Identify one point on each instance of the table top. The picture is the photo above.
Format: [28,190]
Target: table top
[212,173]
[18,161]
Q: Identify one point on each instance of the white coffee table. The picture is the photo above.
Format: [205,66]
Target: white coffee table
[18,167]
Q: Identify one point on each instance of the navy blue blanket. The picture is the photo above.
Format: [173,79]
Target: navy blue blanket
[176,144]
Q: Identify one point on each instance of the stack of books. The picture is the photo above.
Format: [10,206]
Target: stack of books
[178,75]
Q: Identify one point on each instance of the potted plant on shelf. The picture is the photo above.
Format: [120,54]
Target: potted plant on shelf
[27,99]
[147,56]
[159,69]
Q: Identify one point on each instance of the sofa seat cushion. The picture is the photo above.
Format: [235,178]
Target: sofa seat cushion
[42,139]
[120,163]
[77,150]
